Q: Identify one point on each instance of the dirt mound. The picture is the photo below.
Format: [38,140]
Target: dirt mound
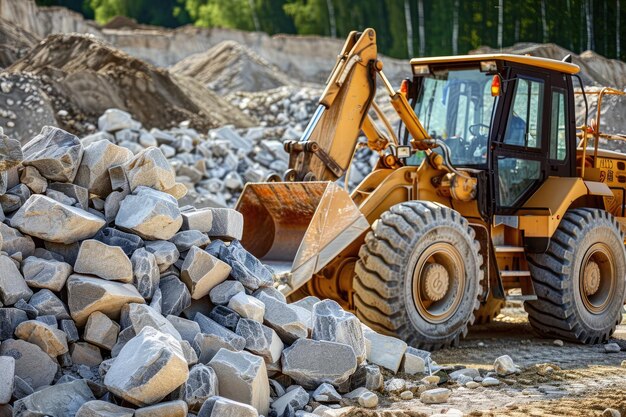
[230,66]
[595,69]
[14,42]
[87,76]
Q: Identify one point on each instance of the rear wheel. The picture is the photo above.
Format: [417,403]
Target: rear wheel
[580,280]
[419,275]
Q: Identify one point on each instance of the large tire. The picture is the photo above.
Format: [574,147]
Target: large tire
[488,310]
[398,247]
[580,281]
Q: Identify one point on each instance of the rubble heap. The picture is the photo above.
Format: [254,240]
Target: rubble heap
[230,66]
[118,300]
[80,77]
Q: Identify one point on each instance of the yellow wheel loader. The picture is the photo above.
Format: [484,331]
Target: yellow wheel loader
[510,200]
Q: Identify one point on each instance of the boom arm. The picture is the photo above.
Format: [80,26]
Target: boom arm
[326,148]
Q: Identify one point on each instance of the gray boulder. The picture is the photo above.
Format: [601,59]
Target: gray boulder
[332,323]
[48,304]
[115,119]
[176,296]
[10,153]
[151,214]
[295,399]
[9,319]
[201,272]
[35,182]
[149,367]
[385,351]
[246,268]
[99,408]
[289,321]
[222,293]
[45,273]
[224,407]
[150,168]
[188,329]
[13,241]
[201,384]
[55,153]
[32,364]
[186,239]
[58,400]
[12,285]
[142,316]
[104,261]
[165,253]
[165,409]
[93,172]
[242,377]
[227,224]
[200,220]
[52,221]
[50,339]
[260,340]
[146,274]
[87,294]
[7,374]
[101,331]
[313,362]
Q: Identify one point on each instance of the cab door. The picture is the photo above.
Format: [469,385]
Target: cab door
[519,160]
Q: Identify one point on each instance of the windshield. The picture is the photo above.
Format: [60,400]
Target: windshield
[456,106]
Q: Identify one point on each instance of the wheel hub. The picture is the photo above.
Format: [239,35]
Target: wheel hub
[591,278]
[438,282]
[435,282]
[597,278]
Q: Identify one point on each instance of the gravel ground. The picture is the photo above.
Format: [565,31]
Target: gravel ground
[583,380]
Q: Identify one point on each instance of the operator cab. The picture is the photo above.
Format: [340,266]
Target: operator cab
[520,107]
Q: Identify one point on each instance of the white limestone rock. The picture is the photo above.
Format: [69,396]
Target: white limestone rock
[88,294]
[104,261]
[313,362]
[55,153]
[149,367]
[201,272]
[332,323]
[242,377]
[247,306]
[93,172]
[149,213]
[12,285]
[52,221]
[385,351]
[50,339]
[45,273]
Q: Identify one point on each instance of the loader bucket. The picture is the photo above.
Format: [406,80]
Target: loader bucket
[298,227]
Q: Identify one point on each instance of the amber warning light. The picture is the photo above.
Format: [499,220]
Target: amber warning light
[404,88]
[495,85]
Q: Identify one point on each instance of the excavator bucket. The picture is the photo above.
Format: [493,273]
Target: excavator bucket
[298,227]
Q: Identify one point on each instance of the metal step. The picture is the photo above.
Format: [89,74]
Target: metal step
[509,249]
[520,297]
[504,274]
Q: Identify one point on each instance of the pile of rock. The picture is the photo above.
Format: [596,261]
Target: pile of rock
[117,300]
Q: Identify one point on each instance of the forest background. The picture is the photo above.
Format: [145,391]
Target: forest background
[406,28]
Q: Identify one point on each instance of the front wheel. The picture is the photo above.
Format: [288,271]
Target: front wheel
[580,281]
[419,275]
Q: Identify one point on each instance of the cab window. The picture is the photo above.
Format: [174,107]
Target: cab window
[558,126]
[525,118]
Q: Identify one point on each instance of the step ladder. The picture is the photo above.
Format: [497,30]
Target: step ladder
[516,278]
